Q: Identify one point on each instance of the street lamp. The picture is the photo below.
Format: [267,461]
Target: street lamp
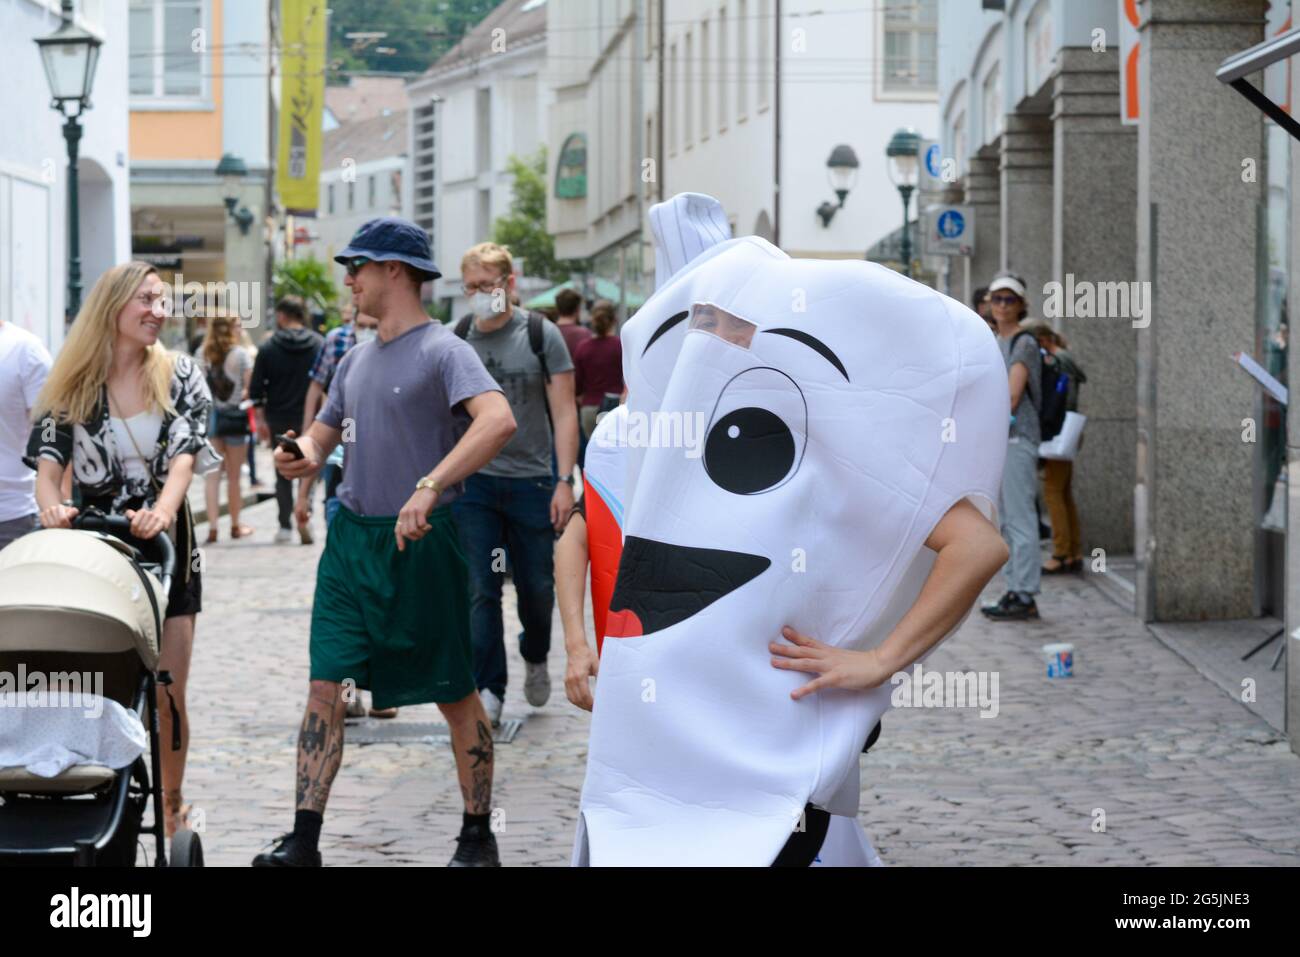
[843,176]
[904,171]
[231,171]
[69,55]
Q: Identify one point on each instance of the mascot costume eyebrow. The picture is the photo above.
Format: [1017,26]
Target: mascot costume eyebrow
[846,410]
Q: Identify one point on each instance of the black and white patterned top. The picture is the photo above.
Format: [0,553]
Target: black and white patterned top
[97,463]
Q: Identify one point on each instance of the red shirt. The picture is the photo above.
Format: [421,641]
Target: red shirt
[574,336]
[598,363]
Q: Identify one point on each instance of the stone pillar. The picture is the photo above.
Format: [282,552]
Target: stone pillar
[1027,202]
[984,192]
[1194,521]
[1094,241]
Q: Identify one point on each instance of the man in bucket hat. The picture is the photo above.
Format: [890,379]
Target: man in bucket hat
[417,413]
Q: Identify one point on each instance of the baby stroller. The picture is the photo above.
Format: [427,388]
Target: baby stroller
[87,601]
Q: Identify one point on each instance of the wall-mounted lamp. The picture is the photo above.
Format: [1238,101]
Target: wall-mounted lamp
[842,172]
[232,170]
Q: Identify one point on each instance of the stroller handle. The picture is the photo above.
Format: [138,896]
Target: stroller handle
[119,526]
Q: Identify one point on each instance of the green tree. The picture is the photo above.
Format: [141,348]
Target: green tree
[523,229]
[309,278]
[418,33]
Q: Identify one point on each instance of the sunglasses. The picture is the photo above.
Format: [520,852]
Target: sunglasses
[1004,300]
[353,266]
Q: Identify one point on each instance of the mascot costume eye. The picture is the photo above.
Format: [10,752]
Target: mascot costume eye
[843,410]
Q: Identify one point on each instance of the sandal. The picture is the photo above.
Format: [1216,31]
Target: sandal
[383,713]
[240,531]
[212,535]
[1058,565]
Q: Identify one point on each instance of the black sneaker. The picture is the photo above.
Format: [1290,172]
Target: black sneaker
[288,852]
[477,848]
[1011,608]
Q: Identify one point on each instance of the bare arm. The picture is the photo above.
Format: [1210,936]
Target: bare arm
[50,477]
[316,446]
[1019,377]
[564,419]
[570,591]
[970,551]
[312,405]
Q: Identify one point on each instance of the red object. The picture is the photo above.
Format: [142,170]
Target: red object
[598,363]
[604,548]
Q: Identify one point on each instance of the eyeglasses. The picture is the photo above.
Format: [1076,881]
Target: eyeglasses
[1004,300]
[354,265]
[489,286]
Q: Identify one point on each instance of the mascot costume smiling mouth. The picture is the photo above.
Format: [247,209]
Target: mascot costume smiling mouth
[846,409]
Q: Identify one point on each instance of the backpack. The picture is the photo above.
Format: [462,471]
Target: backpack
[536,342]
[1052,394]
[219,384]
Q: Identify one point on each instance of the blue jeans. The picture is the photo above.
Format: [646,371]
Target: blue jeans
[331,475]
[494,517]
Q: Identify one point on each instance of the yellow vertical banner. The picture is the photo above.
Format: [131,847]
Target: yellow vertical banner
[302,97]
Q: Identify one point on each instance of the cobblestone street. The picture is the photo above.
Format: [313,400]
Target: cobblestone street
[1184,773]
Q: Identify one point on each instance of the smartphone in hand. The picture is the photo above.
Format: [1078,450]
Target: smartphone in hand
[289,445]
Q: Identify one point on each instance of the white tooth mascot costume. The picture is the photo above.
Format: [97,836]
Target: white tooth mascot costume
[845,410]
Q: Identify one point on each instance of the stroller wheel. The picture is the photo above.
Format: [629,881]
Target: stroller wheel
[187,850]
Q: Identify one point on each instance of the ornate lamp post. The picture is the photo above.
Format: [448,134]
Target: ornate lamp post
[904,173]
[70,55]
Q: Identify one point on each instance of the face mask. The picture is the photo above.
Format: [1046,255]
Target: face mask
[482,304]
[365,335]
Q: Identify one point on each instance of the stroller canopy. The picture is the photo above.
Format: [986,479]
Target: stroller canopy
[85,578]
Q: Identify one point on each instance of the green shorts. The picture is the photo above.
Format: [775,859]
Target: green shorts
[395,623]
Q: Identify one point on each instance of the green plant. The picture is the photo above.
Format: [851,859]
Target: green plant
[308,278]
[523,229]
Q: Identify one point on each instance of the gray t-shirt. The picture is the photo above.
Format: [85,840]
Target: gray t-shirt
[509,359]
[399,407]
[1026,352]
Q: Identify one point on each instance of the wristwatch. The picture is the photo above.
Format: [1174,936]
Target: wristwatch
[429,483]
[568,480]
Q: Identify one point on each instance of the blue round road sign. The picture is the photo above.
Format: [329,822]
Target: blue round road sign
[951,224]
[932,160]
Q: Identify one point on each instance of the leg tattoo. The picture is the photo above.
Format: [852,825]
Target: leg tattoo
[478,795]
[320,751]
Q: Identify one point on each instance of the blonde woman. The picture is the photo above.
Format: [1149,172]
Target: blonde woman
[130,419]
[228,368]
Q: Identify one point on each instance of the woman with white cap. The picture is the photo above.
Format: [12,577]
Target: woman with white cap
[1016,509]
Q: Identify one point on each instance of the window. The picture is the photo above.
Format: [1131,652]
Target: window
[688,93]
[329,199]
[674,114]
[742,59]
[706,82]
[765,59]
[352,195]
[370,192]
[909,49]
[1038,48]
[958,142]
[992,104]
[724,69]
[164,61]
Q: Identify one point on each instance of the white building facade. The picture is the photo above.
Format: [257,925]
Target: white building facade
[33,166]
[478,106]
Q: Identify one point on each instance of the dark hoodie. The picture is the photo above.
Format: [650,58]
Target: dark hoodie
[280,376]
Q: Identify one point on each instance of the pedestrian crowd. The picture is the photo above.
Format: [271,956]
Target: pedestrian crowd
[448,456]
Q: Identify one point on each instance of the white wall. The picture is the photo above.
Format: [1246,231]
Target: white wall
[333,232]
[519,103]
[245,71]
[33,166]
[830,96]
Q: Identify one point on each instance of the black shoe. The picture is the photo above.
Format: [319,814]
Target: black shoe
[999,605]
[288,852]
[1011,608]
[477,848]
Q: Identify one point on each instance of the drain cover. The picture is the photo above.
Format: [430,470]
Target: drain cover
[371,731]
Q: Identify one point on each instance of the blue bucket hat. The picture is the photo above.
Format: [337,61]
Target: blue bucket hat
[389,238]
